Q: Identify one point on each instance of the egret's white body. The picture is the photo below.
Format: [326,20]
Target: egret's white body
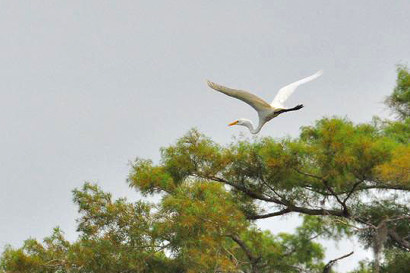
[266,111]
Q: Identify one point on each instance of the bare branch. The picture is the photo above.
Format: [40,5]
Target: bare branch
[333,193]
[355,185]
[252,258]
[273,214]
[345,209]
[396,237]
[288,204]
[331,263]
[246,190]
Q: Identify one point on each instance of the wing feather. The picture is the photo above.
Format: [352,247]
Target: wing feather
[285,92]
[257,103]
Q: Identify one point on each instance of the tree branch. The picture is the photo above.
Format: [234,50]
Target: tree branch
[396,237]
[355,185]
[362,188]
[245,190]
[331,263]
[309,175]
[288,205]
[252,258]
[273,214]
[333,193]
[345,209]
[317,211]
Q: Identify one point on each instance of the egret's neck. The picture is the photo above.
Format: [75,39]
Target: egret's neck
[251,128]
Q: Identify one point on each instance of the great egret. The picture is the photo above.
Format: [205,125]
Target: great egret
[266,111]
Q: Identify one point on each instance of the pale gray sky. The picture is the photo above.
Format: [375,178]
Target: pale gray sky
[87,86]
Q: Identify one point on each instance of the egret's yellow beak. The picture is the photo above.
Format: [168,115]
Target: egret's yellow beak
[233,123]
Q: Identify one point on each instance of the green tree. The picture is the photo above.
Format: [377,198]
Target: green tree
[399,100]
[198,228]
[335,170]
[115,236]
[345,179]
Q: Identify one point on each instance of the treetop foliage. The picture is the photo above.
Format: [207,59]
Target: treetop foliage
[399,100]
[345,179]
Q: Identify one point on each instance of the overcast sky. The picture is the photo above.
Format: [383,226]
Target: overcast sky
[87,86]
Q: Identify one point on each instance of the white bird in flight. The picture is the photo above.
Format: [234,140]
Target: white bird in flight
[266,111]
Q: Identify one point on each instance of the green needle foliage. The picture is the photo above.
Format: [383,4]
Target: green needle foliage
[399,100]
[345,179]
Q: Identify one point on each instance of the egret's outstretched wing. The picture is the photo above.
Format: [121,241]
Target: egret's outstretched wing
[257,103]
[285,92]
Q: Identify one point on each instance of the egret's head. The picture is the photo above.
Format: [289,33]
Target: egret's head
[247,123]
[241,121]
